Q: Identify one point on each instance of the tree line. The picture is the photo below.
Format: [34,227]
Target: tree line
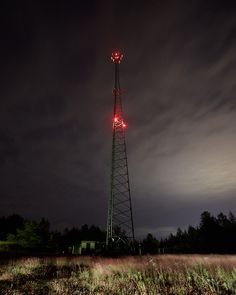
[36,236]
[214,234]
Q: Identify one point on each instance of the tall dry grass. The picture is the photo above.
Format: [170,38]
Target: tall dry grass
[164,274]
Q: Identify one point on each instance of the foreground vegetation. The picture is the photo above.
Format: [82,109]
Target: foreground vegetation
[165,274]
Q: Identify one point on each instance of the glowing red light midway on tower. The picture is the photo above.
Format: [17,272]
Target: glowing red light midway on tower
[118,122]
[116,56]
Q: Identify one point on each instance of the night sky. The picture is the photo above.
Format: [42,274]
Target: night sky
[178,78]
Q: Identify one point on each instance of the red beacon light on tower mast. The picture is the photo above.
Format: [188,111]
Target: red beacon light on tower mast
[117,56]
[118,122]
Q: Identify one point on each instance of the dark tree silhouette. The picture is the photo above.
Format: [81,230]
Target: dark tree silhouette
[9,225]
[213,235]
[150,244]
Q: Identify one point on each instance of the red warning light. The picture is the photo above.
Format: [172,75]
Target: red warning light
[117,56]
[118,122]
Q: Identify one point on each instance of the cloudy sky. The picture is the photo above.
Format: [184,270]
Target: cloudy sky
[179,95]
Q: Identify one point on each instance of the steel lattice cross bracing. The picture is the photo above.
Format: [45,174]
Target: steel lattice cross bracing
[120,218]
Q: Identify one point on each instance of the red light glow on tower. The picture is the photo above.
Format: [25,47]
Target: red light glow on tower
[116,56]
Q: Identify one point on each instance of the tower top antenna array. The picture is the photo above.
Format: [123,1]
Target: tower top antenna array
[117,56]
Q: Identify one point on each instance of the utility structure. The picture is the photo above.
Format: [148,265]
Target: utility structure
[120,227]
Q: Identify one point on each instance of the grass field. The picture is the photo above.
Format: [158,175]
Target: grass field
[165,274]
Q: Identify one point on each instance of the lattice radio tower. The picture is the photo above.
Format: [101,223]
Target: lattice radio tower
[120,217]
